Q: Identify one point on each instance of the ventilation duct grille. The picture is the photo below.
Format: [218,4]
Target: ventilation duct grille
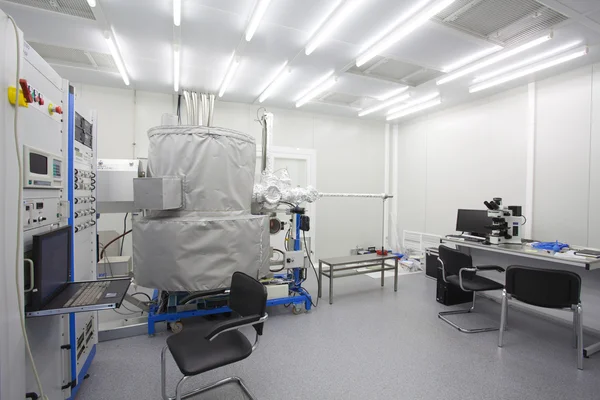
[340,98]
[506,21]
[76,8]
[396,71]
[90,59]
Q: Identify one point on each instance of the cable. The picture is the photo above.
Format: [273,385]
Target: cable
[145,294]
[124,230]
[111,242]
[313,267]
[19,216]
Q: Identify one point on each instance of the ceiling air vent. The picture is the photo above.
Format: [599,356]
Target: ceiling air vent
[57,54]
[396,71]
[340,98]
[504,21]
[76,8]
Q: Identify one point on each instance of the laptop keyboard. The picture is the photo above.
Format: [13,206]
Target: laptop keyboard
[89,293]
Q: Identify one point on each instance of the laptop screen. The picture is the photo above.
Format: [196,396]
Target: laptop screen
[51,257]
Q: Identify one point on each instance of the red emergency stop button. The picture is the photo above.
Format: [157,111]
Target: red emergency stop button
[58,110]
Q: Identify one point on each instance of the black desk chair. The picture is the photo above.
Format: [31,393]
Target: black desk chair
[549,289]
[458,270]
[198,350]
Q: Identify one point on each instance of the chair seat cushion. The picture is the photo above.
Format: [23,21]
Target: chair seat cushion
[475,283]
[195,355]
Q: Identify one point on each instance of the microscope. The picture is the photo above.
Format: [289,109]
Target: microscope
[506,222]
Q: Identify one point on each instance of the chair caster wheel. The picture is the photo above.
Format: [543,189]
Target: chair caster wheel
[176,326]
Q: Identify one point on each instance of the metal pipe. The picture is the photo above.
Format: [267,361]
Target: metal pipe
[263,164]
[211,109]
[367,195]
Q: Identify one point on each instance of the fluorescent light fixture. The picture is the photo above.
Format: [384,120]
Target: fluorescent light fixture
[420,107]
[392,93]
[412,11]
[92,3]
[257,14]
[176,67]
[177,12]
[527,61]
[383,105]
[315,84]
[528,71]
[279,77]
[317,90]
[415,102]
[492,60]
[114,51]
[233,66]
[473,57]
[337,17]
[403,30]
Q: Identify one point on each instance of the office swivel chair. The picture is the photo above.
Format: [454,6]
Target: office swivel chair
[458,270]
[198,350]
[545,288]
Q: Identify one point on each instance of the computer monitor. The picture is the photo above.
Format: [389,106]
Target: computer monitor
[52,264]
[473,222]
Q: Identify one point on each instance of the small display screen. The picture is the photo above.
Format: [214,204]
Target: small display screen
[56,165]
[38,164]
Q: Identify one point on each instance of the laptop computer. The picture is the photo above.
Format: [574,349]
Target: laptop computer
[52,291]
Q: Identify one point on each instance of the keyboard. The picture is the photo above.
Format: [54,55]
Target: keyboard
[88,294]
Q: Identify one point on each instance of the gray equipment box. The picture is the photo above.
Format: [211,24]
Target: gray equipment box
[161,193]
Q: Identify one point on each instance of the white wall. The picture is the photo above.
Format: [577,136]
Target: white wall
[349,155]
[459,157]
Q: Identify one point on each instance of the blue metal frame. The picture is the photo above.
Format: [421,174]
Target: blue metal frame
[71,192]
[71,197]
[83,372]
[300,296]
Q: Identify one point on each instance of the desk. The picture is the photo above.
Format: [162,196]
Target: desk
[340,264]
[511,254]
[527,252]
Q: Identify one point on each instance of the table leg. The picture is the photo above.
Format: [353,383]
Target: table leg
[382,272]
[320,283]
[331,284]
[396,274]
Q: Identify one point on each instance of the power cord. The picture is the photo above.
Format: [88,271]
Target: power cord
[19,216]
[313,267]
[124,230]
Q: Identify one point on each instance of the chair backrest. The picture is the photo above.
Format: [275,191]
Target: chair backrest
[248,297]
[541,287]
[454,260]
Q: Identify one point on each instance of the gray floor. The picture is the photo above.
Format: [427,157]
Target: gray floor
[371,343]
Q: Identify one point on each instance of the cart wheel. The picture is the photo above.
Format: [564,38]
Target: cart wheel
[297,309]
[176,326]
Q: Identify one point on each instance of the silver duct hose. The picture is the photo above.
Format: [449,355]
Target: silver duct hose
[200,108]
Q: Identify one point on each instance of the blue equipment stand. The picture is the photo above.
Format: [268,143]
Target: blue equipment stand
[299,295]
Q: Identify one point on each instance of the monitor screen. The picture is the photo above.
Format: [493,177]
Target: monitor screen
[51,257]
[38,164]
[474,222]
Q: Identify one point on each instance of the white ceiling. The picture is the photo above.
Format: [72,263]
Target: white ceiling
[212,29]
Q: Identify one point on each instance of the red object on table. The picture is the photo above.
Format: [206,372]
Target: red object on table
[382,253]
